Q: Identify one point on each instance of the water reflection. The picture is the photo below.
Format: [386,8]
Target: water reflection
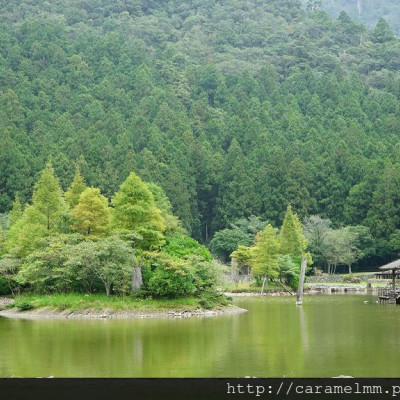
[303,329]
[327,336]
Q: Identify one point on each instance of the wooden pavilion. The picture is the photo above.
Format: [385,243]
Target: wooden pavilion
[390,293]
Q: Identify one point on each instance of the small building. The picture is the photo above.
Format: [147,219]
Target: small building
[386,275]
[390,293]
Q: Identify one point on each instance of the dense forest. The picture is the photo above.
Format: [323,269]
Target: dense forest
[234,108]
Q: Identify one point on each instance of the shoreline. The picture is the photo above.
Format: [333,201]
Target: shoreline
[313,289]
[47,313]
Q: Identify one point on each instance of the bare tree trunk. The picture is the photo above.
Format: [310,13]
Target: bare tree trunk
[301,281]
[265,283]
[234,270]
[137,280]
[349,268]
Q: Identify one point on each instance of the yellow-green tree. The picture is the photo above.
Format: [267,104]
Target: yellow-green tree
[39,220]
[15,213]
[47,199]
[172,223]
[266,251]
[291,235]
[75,190]
[27,233]
[91,215]
[135,211]
[243,256]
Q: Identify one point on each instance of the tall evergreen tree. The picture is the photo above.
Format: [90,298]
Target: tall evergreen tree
[291,236]
[47,199]
[172,223]
[15,213]
[266,252]
[76,189]
[135,210]
[27,234]
[382,32]
[91,215]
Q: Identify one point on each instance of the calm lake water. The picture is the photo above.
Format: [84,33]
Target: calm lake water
[328,336]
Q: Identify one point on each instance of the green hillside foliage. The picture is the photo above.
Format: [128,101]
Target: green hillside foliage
[234,108]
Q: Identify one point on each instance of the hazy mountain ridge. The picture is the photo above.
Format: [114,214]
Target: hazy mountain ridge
[367,12]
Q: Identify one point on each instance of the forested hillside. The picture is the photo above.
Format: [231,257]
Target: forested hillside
[366,11]
[235,108]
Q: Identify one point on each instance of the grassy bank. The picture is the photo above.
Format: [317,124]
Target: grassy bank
[78,301]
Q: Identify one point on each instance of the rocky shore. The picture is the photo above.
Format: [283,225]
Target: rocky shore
[90,313]
[5,301]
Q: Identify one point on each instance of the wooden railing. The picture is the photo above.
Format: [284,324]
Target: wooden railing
[388,295]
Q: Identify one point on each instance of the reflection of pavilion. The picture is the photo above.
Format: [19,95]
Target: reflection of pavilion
[390,293]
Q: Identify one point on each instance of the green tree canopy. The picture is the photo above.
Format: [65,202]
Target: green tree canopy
[15,213]
[75,190]
[91,215]
[382,32]
[291,235]
[47,199]
[135,210]
[266,252]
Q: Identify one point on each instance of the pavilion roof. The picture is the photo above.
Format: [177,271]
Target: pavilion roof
[394,265]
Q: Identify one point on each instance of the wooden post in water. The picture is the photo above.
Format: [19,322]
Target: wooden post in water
[394,281]
[300,290]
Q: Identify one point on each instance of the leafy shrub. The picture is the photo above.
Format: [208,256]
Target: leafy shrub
[172,280]
[211,299]
[351,279]
[184,246]
[24,306]
[4,289]
[289,270]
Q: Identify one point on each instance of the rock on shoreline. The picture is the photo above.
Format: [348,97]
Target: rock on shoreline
[51,313]
[5,301]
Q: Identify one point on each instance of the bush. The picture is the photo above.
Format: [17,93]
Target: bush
[211,299]
[183,246]
[171,279]
[351,279]
[24,306]
[4,289]
[289,270]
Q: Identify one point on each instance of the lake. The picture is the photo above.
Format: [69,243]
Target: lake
[328,336]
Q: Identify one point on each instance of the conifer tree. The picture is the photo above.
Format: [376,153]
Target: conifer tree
[47,199]
[173,224]
[266,253]
[382,32]
[15,213]
[39,220]
[91,215]
[135,211]
[76,189]
[27,233]
[291,236]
